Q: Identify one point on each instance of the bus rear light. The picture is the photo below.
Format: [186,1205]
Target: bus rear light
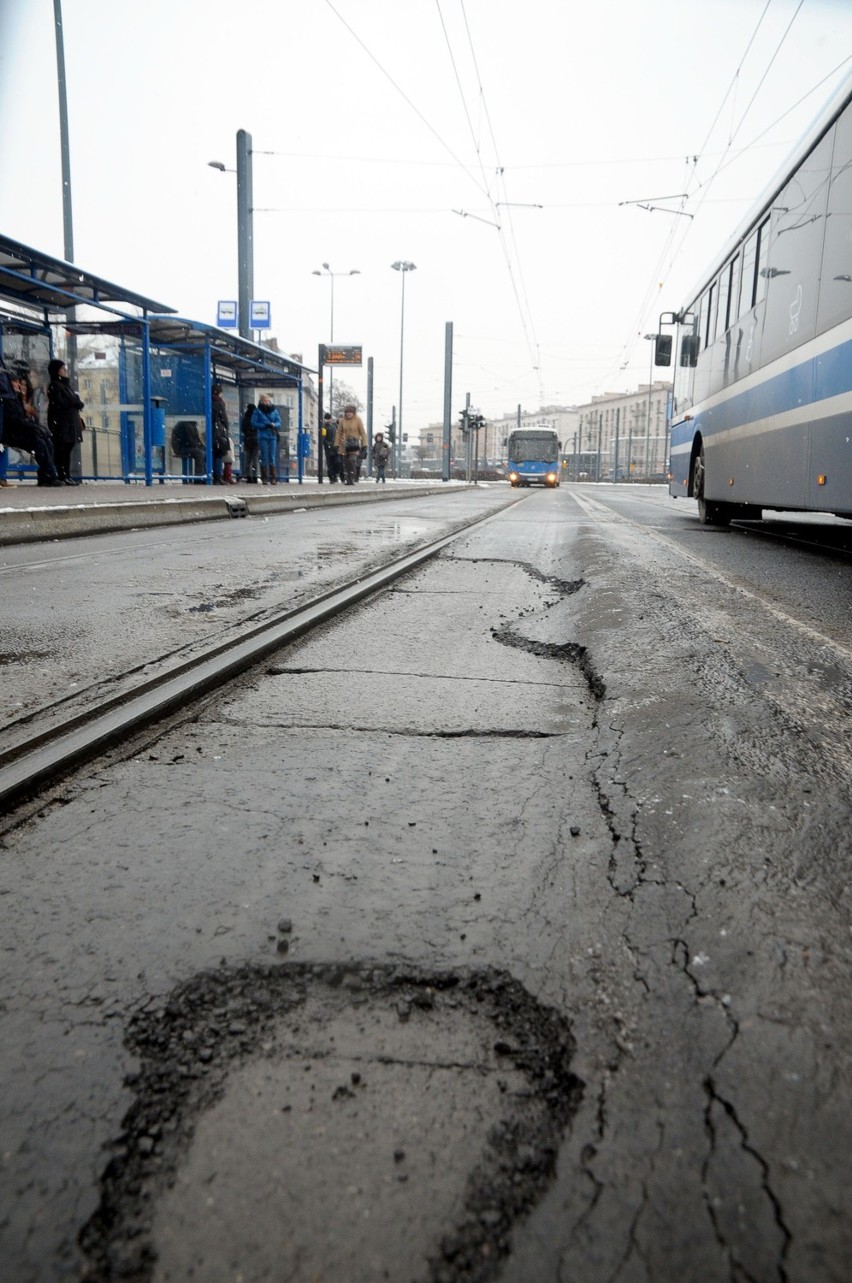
[821,479]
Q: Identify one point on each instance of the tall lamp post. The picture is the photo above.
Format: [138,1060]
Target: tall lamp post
[245,228]
[326,271]
[401,266]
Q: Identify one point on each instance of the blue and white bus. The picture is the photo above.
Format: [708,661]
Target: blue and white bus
[533,457]
[762,408]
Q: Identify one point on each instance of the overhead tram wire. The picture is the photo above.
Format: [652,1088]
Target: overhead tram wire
[777,121]
[535,352]
[524,310]
[405,96]
[705,187]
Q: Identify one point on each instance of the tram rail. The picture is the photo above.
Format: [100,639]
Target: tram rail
[46,752]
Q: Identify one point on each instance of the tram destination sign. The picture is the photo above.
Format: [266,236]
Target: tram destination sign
[342,355]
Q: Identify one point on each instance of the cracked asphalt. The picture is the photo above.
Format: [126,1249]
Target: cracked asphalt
[499,930]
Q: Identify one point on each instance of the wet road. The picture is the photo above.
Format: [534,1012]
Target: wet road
[512,910]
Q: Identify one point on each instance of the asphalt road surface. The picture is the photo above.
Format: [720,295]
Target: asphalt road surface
[498,930]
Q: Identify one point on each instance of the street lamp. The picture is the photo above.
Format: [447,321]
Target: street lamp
[401,266]
[326,271]
[245,230]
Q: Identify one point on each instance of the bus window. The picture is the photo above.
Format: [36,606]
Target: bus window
[749,263]
[734,304]
[762,260]
[712,303]
[836,285]
[724,295]
[703,319]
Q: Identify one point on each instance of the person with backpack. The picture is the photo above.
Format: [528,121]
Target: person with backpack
[350,440]
[334,463]
[221,435]
[189,448]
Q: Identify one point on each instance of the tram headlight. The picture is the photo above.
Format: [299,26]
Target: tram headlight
[551,478]
[513,477]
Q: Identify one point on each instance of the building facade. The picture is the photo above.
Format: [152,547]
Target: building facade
[621,436]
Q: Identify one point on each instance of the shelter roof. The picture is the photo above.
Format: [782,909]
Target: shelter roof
[36,279]
[245,362]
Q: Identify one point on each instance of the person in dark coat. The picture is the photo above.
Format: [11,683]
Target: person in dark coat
[221,434]
[19,431]
[63,419]
[251,456]
[332,454]
[381,453]
[47,475]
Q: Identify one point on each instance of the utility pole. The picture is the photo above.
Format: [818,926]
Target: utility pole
[447,440]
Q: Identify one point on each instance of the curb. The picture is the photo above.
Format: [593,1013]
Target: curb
[74,521]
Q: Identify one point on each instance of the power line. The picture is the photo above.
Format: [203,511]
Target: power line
[404,95]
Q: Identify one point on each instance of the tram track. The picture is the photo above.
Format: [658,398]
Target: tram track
[47,751]
[828,541]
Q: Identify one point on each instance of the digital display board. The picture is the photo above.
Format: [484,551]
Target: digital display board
[342,355]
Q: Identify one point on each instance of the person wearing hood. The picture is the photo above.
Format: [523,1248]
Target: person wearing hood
[267,421]
[350,440]
[63,419]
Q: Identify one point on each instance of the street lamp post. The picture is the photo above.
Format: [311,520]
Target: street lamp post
[245,228]
[402,266]
[326,271]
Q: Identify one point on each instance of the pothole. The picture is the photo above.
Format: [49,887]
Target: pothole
[314,1121]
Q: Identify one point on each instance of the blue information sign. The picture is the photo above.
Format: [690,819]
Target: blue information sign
[226,314]
[259,314]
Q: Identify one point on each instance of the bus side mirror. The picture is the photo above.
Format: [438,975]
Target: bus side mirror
[663,349]
[689,350]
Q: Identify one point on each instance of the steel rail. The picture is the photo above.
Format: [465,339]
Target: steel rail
[797,536]
[48,753]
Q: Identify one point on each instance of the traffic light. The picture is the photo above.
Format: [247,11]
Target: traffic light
[463,422]
[477,422]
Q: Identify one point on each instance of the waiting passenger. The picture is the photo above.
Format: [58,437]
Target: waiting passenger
[251,458]
[350,440]
[19,432]
[63,419]
[381,453]
[267,421]
[47,475]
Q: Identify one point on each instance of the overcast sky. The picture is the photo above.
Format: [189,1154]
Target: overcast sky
[374,122]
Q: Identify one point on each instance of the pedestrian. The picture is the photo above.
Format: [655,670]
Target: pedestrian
[350,440]
[188,446]
[267,422]
[19,432]
[46,475]
[332,454]
[221,434]
[381,453]
[63,419]
[249,446]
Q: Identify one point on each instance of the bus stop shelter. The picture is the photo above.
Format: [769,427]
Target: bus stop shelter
[167,368]
[167,364]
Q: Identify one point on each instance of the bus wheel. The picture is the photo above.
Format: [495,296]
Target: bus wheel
[710,513]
